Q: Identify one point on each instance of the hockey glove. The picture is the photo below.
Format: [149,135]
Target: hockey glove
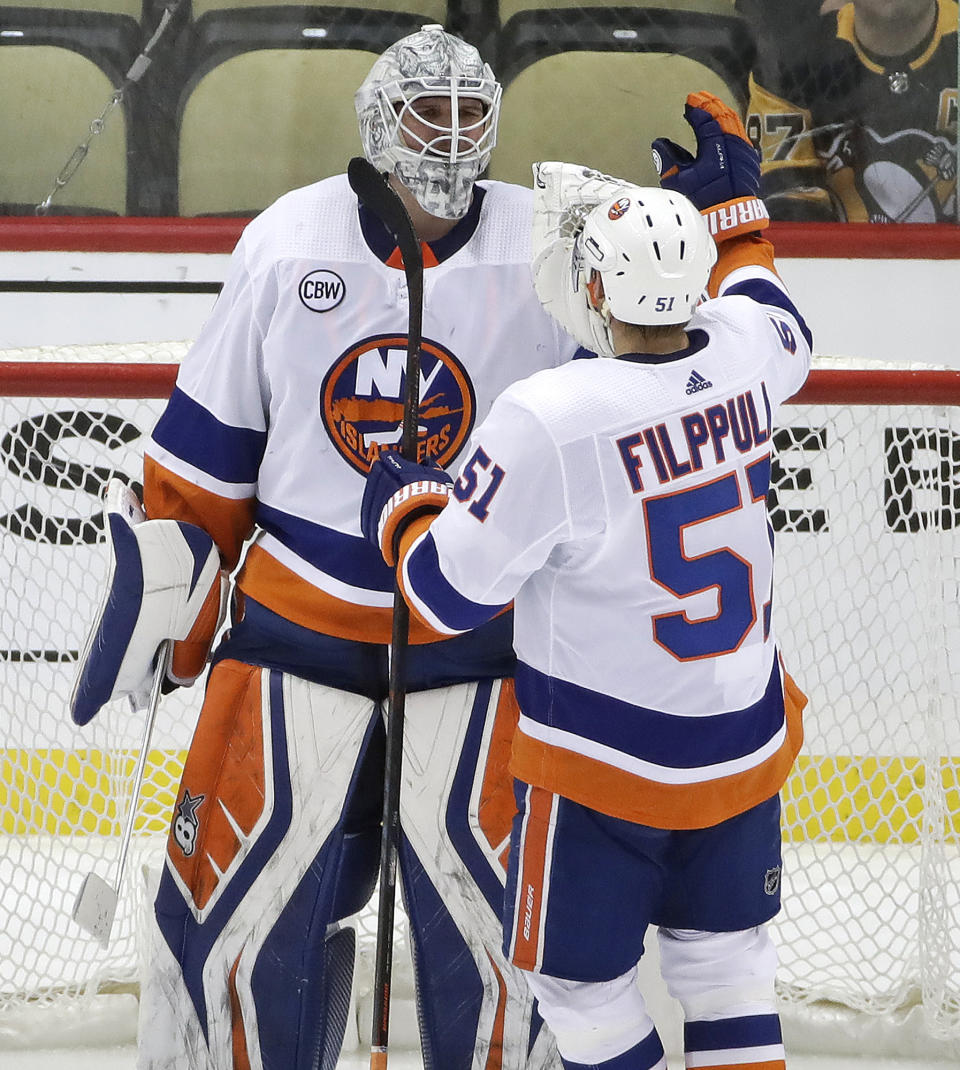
[164,582]
[397,493]
[723,179]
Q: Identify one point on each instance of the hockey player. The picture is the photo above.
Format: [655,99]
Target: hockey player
[854,110]
[292,388]
[621,504]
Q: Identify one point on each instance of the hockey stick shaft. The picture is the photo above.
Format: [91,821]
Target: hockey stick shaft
[156,687]
[375,192]
[96,904]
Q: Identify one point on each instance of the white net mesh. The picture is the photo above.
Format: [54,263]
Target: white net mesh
[867,511]
[868,516]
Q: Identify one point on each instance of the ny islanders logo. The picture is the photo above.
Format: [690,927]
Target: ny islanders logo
[361,401]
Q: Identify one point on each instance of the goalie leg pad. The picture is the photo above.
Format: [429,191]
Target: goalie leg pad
[594,1022]
[164,582]
[456,808]
[263,838]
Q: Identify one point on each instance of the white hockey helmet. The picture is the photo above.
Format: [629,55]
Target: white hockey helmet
[439,172]
[653,254]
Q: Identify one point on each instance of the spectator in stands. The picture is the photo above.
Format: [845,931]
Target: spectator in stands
[853,107]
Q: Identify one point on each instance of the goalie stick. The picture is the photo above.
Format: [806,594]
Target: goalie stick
[96,904]
[375,192]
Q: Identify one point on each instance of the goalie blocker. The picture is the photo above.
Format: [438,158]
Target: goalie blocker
[164,582]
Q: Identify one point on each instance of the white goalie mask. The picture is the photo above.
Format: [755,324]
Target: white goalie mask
[442,165]
[653,254]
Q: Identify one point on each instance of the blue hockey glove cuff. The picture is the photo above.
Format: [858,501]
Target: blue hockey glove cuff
[397,492]
[723,179]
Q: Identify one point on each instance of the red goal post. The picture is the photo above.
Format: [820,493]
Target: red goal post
[866,506]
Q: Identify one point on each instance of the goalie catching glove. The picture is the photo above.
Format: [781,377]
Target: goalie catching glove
[723,179]
[164,582]
[564,194]
[399,492]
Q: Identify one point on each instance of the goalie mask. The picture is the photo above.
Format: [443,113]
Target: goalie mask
[653,255]
[437,163]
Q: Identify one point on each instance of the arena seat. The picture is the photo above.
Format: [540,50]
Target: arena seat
[267,101]
[428,10]
[58,71]
[509,8]
[131,8]
[570,81]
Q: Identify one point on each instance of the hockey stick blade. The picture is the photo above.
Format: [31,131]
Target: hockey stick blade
[95,908]
[378,195]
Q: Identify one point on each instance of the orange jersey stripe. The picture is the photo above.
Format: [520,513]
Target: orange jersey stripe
[228,521]
[767,1064]
[267,581]
[668,806]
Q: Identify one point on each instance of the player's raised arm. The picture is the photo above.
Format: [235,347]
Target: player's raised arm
[723,182]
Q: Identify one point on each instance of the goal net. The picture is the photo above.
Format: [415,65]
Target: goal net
[865,502]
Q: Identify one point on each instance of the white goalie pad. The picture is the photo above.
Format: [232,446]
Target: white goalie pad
[164,582]
[563,196]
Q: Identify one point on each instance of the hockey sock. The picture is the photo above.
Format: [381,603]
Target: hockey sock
[753,1041]
[647,1055]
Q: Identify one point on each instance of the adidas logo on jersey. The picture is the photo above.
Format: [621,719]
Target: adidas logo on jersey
[696,382]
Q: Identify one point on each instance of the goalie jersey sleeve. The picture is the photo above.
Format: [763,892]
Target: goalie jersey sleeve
[622,505]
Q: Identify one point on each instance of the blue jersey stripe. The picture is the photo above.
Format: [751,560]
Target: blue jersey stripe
[651,735]
[766,293]
[189,431]
[348,558]
[428,582]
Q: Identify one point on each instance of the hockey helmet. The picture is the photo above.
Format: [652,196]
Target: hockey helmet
[653,254]
[441,168]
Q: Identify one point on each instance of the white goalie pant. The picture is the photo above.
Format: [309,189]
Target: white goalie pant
[448,739]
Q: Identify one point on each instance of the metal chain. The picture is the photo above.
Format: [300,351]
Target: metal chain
[137,70]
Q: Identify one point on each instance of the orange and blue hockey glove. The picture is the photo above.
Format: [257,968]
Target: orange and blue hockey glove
[723,179]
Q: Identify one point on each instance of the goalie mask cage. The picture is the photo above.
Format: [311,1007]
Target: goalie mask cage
[865,503]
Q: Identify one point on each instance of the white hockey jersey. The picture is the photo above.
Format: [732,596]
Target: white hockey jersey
[297,381]
[622,505]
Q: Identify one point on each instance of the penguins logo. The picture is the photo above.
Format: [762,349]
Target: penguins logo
[361,401]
